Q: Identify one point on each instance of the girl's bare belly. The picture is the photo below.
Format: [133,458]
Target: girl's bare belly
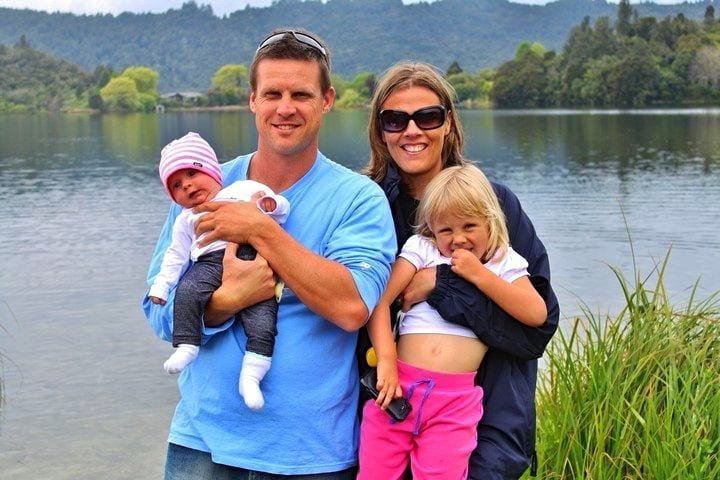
[442,353]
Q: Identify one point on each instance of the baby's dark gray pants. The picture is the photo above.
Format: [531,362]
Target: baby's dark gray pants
[194,291]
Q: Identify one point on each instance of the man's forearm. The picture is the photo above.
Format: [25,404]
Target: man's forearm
[325,286]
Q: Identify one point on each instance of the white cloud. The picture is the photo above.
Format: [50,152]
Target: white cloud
[220,7]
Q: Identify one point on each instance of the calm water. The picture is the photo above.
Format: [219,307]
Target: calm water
[86,396]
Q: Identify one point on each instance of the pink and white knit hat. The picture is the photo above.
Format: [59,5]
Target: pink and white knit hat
[190,151]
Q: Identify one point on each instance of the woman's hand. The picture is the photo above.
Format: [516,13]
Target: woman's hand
[419,288]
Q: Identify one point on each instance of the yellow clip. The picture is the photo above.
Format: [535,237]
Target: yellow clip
[279,289]
[370,357]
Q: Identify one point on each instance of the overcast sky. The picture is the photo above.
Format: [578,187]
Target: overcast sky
[220,7]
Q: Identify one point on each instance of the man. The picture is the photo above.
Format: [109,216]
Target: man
[334,256]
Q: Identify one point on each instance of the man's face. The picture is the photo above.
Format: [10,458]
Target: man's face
[288,104]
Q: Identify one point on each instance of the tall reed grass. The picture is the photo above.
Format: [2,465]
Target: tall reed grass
[636,396]
[2,357]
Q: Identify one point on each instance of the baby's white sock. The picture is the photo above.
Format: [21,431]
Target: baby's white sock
[184,354]
[253,370]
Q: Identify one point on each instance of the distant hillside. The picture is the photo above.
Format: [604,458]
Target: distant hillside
[187,45]
[33,80]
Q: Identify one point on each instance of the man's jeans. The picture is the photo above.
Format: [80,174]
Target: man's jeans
[187,464]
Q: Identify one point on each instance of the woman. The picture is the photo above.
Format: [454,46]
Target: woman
[411,140]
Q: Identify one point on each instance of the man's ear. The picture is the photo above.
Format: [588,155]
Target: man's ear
[252,100]
[328,99]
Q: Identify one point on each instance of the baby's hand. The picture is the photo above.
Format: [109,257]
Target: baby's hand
[157,301]
[267,204]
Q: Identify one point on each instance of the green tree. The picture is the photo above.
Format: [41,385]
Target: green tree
[595,90]
[634,80]
[351,99]
[709,17]
[522,50]
[705,67]
[522,83]
[230,83]
[146,79]
[363,84]
[101,76]
[121,93]
[583,45]
[453,69]
[466,86]
[370,84]
[22,43]
[525,47]
[625,13]
[339,83]
[644,27]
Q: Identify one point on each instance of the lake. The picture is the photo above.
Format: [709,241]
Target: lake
[85,393]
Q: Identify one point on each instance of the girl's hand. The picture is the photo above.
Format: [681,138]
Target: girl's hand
[388,384]
[467,265]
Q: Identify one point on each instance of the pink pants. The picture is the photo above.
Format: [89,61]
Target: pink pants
[437,437]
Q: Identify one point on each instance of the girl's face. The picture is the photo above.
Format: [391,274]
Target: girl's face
[454,232]
[417,153]
[190,188]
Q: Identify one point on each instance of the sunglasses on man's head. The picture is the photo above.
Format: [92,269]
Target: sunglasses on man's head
[300,37]
[428,118]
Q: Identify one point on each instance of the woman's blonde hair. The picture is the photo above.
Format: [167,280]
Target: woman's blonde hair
[405,75]
[463,191]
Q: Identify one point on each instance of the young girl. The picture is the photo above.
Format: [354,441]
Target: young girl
[191,175]
[461,224]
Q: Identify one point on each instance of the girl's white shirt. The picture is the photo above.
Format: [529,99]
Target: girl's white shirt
[421,252]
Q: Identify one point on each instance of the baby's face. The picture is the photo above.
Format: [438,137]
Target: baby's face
[190,188]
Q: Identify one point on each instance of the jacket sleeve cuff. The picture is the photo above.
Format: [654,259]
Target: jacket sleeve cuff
[441,285]
[158,291]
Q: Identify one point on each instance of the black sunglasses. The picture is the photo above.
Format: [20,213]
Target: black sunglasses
[428,118]
[303,38]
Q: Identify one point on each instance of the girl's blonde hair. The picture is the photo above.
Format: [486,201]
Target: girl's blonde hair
[463,191]
[405,75]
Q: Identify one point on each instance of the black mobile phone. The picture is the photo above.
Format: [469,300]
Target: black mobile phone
[398,409]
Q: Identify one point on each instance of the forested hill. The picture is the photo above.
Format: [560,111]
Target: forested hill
[187,45]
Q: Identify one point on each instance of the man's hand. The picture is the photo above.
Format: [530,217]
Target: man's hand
[419,289]
[244,283]
[229,221]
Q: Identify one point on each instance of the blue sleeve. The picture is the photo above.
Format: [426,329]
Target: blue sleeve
[364,242]
[160,317]
[460,302]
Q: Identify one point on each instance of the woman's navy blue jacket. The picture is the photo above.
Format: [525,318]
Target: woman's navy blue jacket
[506,433]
